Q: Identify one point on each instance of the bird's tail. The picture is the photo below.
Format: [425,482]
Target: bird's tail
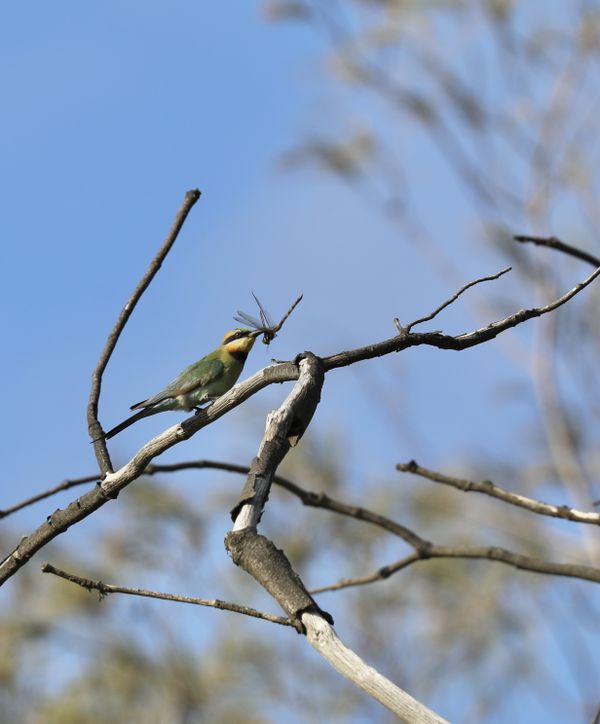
[130,420]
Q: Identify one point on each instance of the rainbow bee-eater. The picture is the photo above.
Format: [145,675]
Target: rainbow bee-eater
[201,382]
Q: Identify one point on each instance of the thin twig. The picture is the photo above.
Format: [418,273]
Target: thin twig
[553,243]
[491,553]
[105,588]
[94,427]
[443,341]
[380,575]
[65,485]
[488,488]
[448,302]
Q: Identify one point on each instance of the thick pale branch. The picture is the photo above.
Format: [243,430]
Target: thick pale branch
[268,565]
[285,427]
[94,427]
[105,588]
[324,639]
[257,555]
[488,488]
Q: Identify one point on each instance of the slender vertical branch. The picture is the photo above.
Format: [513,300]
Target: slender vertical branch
[94,427]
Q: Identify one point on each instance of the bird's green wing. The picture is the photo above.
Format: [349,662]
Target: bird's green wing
[196,375]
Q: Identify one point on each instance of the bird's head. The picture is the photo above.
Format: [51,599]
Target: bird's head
[239,341]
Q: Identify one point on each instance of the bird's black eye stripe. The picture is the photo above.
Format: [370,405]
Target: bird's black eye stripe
[237,335]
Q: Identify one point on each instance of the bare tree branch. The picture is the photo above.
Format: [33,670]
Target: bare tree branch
[65,485]
[105,588]
[424,549]
[113,483]
[252,552]
[94,427]
[553,243]
[268,565]
[421,546]
[448,302]
[323,638]
[380,575]
[157,469]
[443,341]
[488,488]
[151,469]
[429,551]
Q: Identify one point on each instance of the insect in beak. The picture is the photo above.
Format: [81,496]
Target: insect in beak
[265,326]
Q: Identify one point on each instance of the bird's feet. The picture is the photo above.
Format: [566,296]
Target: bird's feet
[209,401]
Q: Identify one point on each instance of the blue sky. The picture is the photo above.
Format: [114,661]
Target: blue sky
[110,116]
[110,113]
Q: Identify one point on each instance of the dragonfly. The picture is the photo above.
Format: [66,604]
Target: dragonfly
[265,324]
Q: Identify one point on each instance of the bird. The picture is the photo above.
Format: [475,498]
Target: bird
[203,381]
